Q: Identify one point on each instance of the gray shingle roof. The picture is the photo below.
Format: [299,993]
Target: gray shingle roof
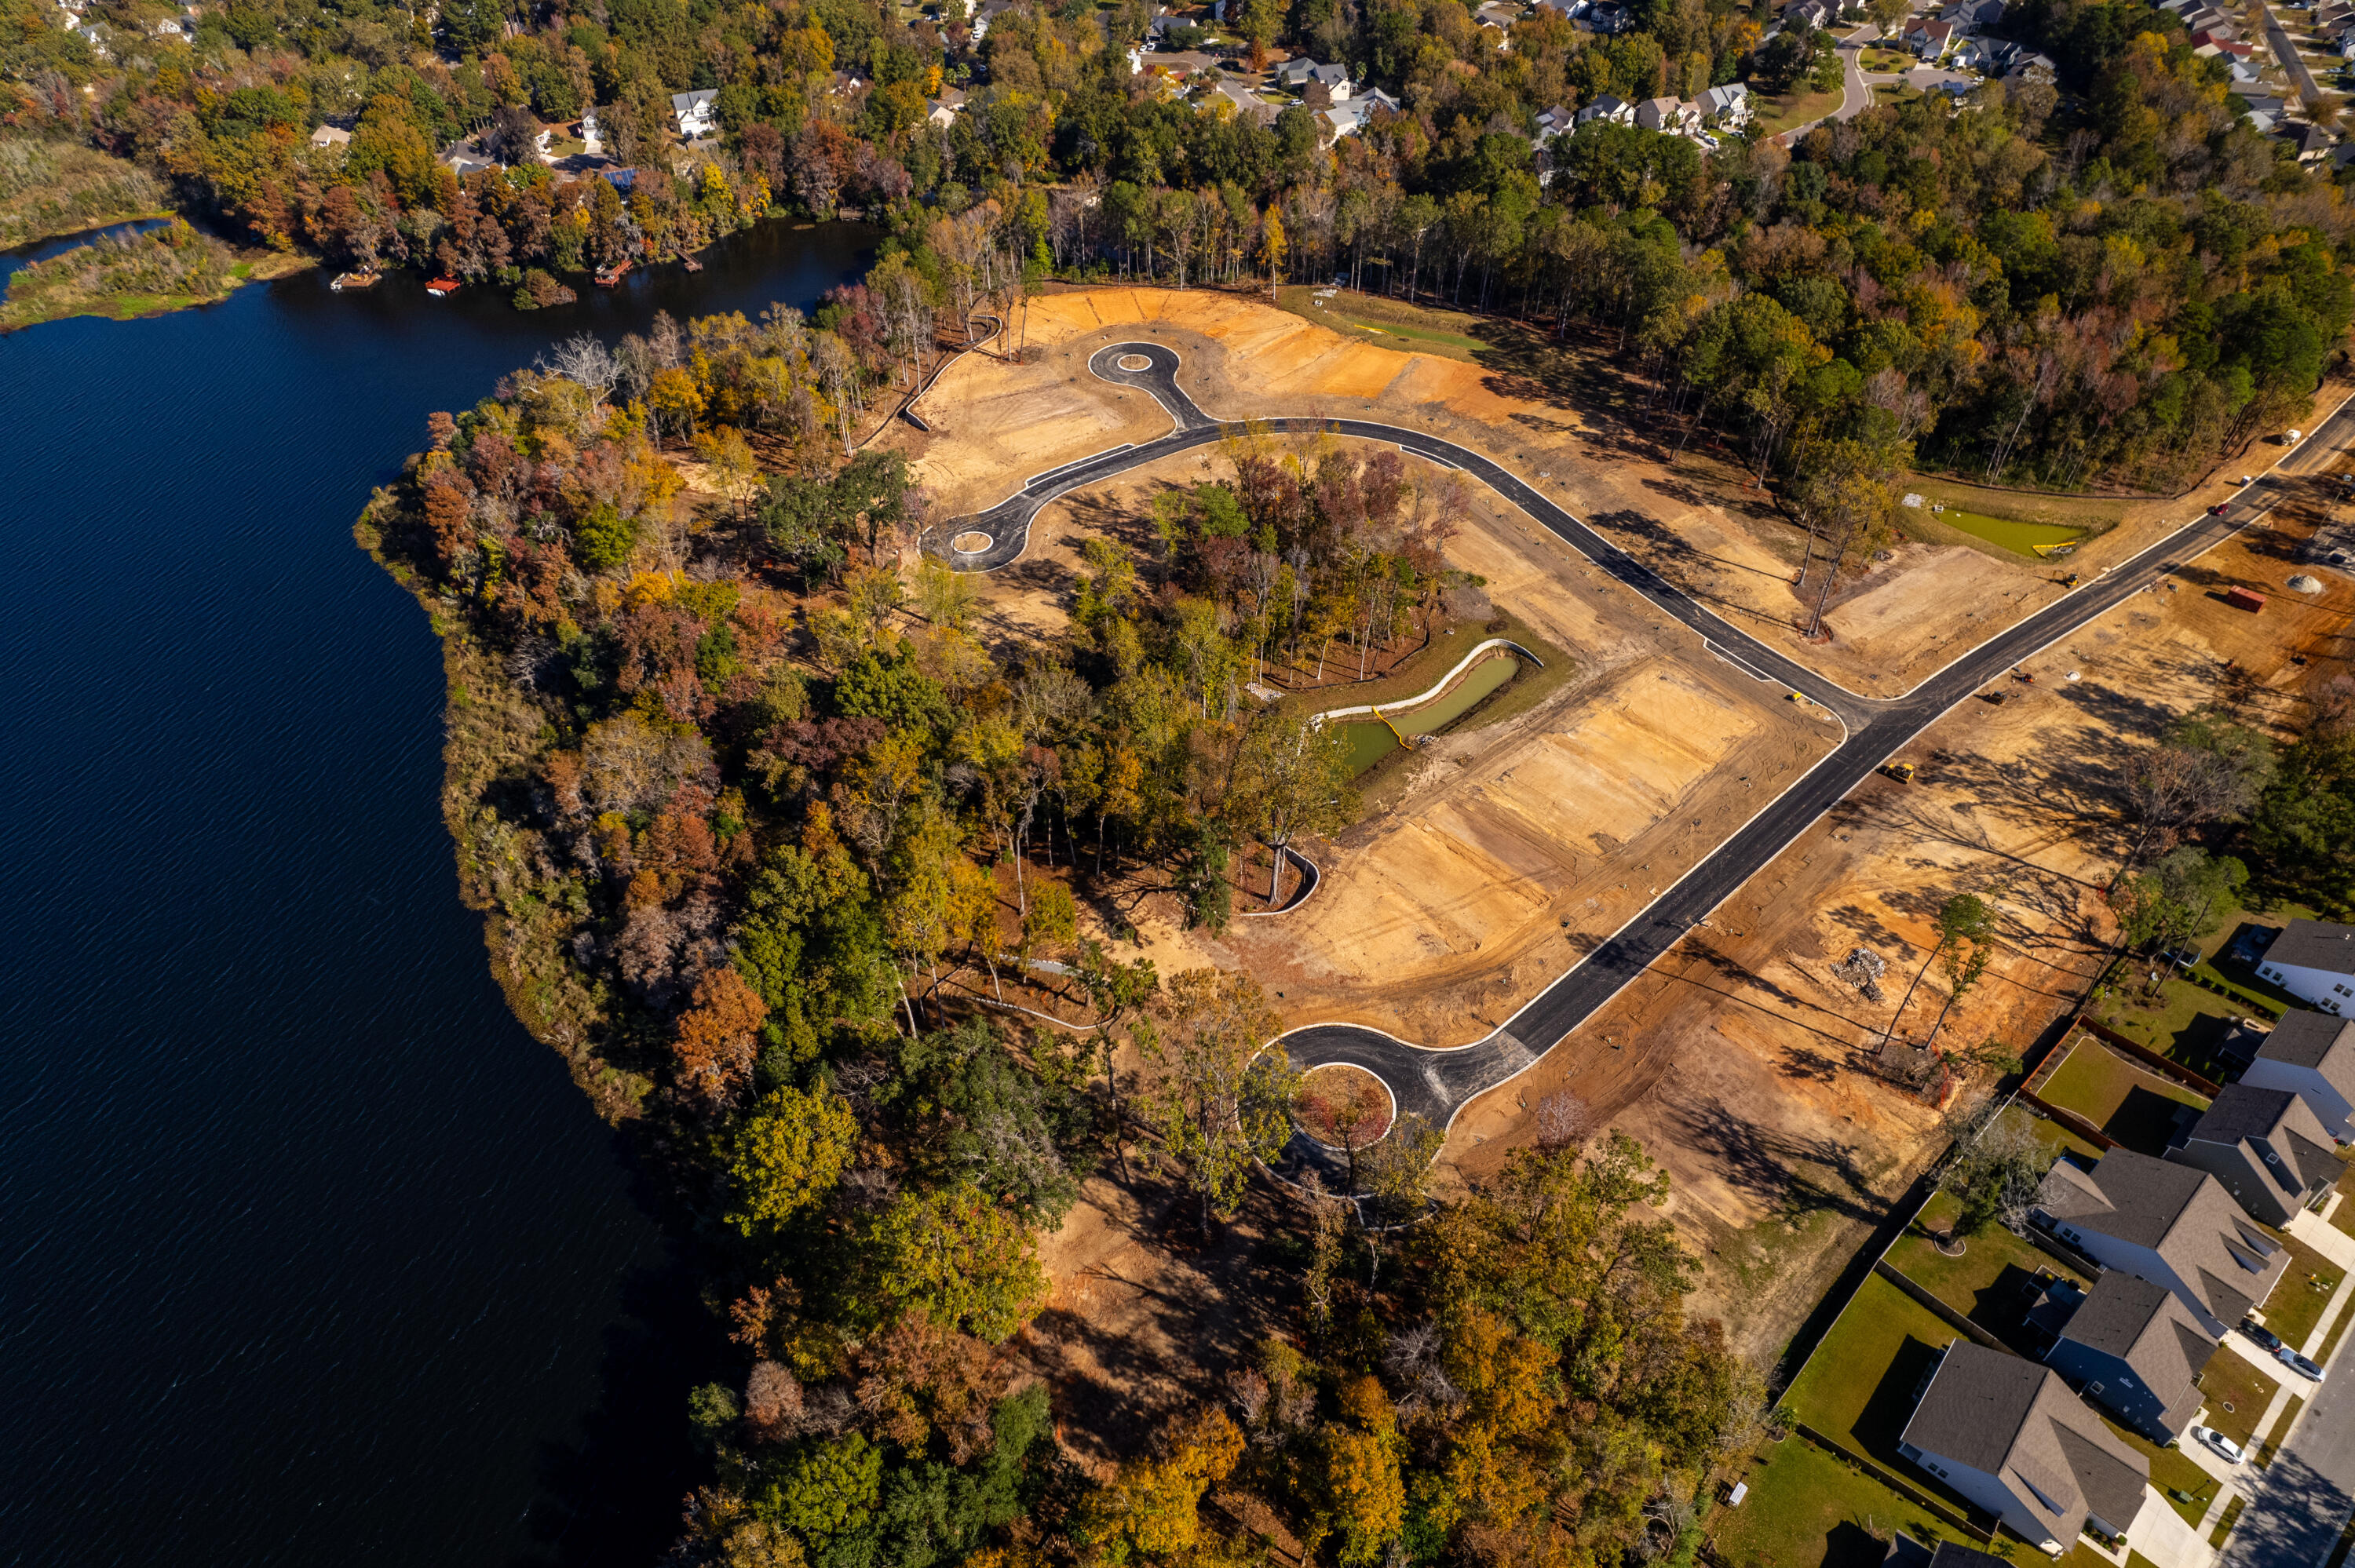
[2315,945]
[2280,1120]
[2316,1040]
[2149,1328]
[2018,1421]
[2182,1213]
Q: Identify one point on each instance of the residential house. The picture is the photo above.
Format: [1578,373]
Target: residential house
[1246,102]
[990,12]
[2332,15]
[1497,14]
[1608,17]
[2345,43]
[2131,1345]
[2008,1434]
[331,136]
[2312,1055]
[2030,66]
[1347,116]
[696,113]
[1670,116]
[1610,108]
[1728,105]
[945,109]
[1568,10]
[2208,19]
[1299,73]
[2268,1149]
[1929,39]
[1555,122]
[1975,15]
[1810,13]
[2171,1224]
[2314,960]
[2312,142]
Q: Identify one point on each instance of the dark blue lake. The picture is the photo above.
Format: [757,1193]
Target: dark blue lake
[308,1253]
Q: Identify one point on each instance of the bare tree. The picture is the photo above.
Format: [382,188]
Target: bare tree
[1565,1121]
[586,362]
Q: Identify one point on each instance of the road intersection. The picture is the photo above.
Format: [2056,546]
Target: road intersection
[1436,1082]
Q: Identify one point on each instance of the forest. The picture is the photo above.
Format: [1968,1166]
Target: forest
[761,833]
[2109,280]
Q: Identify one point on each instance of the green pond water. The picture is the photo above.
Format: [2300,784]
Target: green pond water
[1370,739]
[2019,537]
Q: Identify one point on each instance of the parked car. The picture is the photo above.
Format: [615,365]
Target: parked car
[2222,509]
[2299,1364]
[2231,1451]
[2263,1336]
[2183,957]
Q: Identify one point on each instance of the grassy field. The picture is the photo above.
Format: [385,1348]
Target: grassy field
[2092,513]
[1988,1283]
[1857,1388]
[1394,324]
[49,188]
[1807,1508]
[2306,1287]
[165,269]
[2224,1525]
[2136,1107]
[2058,1138]
[1776,113]
[2229,1379]
[2181,1021]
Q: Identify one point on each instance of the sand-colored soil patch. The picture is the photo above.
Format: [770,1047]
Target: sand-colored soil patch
[1743,1062]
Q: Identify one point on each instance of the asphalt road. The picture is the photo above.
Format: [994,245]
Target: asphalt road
[2293,1518]
[1435,1083]
[2291,60]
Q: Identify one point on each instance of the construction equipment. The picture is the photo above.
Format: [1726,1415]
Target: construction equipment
[2072,581]
[1901,771]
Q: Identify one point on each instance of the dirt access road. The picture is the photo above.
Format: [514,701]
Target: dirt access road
[1436,1082]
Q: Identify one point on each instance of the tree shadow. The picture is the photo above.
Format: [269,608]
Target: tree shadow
[1795,1177]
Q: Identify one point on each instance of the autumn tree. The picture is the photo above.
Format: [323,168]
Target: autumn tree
[959,1258]
[1222,1089]
[1291,777]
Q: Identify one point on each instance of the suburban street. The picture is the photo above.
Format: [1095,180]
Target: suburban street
[2295,1517]
[2291,61]
[1435,1081]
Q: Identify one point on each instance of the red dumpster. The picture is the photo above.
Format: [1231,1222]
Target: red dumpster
[2246,598]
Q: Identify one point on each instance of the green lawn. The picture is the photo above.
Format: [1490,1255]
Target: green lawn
[1857,1388]
[1776,114]
[2060,1140]
[2331,1341]
[1989,1283]
[2136,1107]
[2306,1289]
[2171,1471]
[2181,1021]
[2229,1379]
[1807,1508]
[2279,1434]
[2224,1525]
[2342,1218]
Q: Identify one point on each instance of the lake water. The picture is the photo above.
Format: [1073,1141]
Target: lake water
[311,1253]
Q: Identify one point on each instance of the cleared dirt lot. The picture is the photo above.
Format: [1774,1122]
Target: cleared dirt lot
[1741,1061]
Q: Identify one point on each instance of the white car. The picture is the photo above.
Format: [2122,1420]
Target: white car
[2231,1451]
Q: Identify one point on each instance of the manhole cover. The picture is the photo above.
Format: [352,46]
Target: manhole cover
[970,543]
[1134,362]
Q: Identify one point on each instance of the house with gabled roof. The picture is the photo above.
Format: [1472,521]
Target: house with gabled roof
[2129,1345]
[2266,1147]
[1610,109]
[2172,1224]
[2314,960]
[2311,1055]
[695,112]
[2008,1435]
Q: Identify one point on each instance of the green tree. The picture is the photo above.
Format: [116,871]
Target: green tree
[788,1156]
[958,1257]
[1995,1168]
[1292,776]
[1222,1089]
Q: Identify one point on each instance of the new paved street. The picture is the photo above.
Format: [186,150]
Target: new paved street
[1435,1083]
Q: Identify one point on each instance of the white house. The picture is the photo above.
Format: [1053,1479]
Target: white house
[989,12]
[2171,1224]
[1609,109]
[2008,1434]
[331,136]
[945,109]
[1728,105]
[1929,39]
[2312,1056]
[2314,960]
[695,112]
[1348,115]
[1298,73]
